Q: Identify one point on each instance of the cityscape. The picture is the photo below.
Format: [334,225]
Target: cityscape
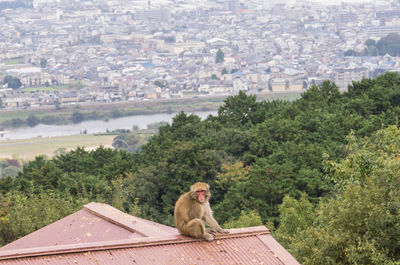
[200,132]
[70,52]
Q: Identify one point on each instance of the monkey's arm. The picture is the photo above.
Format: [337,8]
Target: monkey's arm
[210,221]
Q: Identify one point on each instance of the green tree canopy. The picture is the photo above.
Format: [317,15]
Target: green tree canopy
[214,77]
[253,154]
[12,82]
[386,45]
[240,110]
[43,62]
[77,117]
[361,224]
[159,83]
[220,57]
[32,120]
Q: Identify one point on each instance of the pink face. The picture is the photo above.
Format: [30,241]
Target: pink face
[201,195]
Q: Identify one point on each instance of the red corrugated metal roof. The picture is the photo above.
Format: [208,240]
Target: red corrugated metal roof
[253,245]
[95,222]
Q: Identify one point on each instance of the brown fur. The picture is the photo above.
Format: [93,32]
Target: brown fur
[191,215]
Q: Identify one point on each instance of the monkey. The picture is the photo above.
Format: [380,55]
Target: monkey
[193,212]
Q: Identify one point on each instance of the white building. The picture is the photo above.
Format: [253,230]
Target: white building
[344,77]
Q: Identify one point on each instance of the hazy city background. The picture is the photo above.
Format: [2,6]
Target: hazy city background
[55,54]
[70,52]
[296,123]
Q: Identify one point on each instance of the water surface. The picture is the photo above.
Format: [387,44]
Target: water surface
[91,127]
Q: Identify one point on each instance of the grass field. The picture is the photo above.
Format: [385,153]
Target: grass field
[29,149]
[13,62]
[42,88]
[9,115]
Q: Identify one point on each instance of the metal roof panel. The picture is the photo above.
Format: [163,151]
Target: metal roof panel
[231,250]
[132,240]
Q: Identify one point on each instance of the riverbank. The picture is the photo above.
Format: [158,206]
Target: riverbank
[30,148]
[128,123]
[69,114]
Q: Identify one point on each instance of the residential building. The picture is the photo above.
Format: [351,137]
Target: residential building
[232,5]
[345,77]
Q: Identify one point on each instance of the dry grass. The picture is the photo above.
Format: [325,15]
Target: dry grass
[30,148]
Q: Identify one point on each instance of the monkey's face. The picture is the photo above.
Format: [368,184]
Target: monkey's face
[201,195]
[200,191]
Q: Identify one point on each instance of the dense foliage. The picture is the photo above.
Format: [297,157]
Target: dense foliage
[266,162]
[12,82]
[361,224]
[386,45]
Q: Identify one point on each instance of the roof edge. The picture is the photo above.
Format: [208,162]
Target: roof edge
[279,251]
[125,243]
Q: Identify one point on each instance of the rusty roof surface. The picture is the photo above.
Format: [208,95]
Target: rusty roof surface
[161,245]
[95,222]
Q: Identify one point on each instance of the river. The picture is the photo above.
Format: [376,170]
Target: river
[91,127]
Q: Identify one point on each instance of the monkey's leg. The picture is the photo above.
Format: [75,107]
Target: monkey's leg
[195,228]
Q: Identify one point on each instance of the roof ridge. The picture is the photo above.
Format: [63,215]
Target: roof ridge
[125,243]
[124,220]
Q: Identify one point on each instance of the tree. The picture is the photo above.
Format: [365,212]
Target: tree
[214,77]
[305,84]
[241,109]
[38,174]
[43,63]
[224,71]
[254,155]
[245,220]
[234,141]
[220,57]
[60,151]
[156,125]
[77,117]
[232,174]
[170,39]
[57,104]
[12,82]
[370,42]
[21,214]
[287,84]
[386,45]
[1,104]
[32,120]
[361,223]
[126,141]
[316,96]
[159,83]
[295,216]
[372,51]
[389,44]
[350,52]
